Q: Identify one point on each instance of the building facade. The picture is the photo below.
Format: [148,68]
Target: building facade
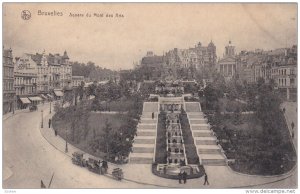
[77,80]
[54,72]
[228,65]
[196,57]
[9,99]
[25,81]
[153,66]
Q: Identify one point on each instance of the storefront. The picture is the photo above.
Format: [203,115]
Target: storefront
[23,103]
[35,100]
[58,94]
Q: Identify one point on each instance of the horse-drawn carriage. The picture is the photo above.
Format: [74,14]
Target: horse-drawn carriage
[78,159]
[118,174]
[33,108]
[94,164]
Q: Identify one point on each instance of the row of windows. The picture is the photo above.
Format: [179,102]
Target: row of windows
[8,71]
[26,90]
[284,81]
[54,70]
[8,85]
[24,80]
[7,61]
[282,71]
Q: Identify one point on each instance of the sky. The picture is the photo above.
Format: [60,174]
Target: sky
[116,42]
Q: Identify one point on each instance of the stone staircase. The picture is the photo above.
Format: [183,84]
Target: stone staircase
[144,143]
[209,152]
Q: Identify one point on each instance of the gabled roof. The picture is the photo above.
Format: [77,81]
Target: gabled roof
[227,59]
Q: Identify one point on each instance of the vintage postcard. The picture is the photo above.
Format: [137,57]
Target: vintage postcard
[150,95]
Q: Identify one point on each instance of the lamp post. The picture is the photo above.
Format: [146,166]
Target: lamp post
[50,106]
[66,149]
[42,124]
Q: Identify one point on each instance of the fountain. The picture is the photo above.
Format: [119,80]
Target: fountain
[176,161]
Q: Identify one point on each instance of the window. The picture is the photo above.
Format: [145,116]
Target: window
[285,81]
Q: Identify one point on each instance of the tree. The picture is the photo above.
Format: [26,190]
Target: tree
[91,90]
[68,97]
[211,97]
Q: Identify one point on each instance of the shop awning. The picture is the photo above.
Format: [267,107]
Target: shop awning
[43,96]
[25,100]
[58,93]
[35,98]
[50,96]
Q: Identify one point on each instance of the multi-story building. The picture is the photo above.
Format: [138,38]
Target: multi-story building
[228,65]
[42,72]
[9,99]
[77,80]
[153,66]
[285,77]
[25,81]
[54,72]
[197,57]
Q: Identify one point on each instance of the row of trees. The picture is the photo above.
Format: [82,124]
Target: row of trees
[91,71]
[261,147]
[113,142]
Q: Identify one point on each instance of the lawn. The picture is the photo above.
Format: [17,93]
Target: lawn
[120,105]
[246,142]
[96,123]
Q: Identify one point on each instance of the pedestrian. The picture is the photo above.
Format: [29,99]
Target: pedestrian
[184,176]
[49,123]
[55,132]
[152,115]
[292,125]
[205,179]
[180,177]
[165,170]
[105,166]
[283,110]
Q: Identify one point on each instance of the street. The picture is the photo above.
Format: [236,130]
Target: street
[28,158]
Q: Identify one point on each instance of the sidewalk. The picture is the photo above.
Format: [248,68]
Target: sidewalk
[291,116]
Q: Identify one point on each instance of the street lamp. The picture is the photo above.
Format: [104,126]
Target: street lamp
[50,106]
[66,149]
[42,124]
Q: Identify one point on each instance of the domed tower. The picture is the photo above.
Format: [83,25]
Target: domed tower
[65,58]
[229,50]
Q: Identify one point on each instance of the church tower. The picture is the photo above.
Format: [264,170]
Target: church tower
[229,50]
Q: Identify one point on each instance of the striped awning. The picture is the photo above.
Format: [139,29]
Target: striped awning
[58,93]
[50,96]
[43,96]
[25,100]
[35,98]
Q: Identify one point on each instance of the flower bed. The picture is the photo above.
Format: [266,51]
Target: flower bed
[190,148]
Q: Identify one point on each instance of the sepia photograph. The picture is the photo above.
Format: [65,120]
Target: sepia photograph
[150,96]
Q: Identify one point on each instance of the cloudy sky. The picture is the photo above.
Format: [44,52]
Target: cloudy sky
[115,42]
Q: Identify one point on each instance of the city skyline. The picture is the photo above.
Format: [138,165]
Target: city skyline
[117,42]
